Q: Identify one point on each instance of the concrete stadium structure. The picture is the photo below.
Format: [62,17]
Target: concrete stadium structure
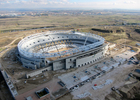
[35,51]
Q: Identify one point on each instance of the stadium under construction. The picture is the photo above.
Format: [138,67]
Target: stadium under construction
[57,50]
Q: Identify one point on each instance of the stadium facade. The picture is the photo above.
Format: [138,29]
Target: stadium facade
[47,50]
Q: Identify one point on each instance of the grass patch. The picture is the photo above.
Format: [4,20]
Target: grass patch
[132,43]
[1,49]
[112,38]
[5,41]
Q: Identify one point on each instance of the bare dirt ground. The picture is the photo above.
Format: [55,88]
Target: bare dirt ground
[62,49]
[51,85]
[12,38]
[126,42]
[11,65]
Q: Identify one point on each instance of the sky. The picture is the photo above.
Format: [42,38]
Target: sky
[78,4]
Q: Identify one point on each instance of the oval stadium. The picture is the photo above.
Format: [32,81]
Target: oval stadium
[57,50]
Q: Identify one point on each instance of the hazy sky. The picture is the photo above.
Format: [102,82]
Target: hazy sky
[90,4]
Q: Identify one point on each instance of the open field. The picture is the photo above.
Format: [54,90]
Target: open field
[120,35]
[29,22]
[109,26]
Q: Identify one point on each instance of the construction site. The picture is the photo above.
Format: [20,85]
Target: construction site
[107,71]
